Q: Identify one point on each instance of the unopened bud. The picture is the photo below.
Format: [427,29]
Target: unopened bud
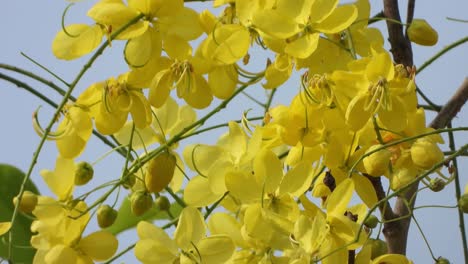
[420,32]
[163,203]
[436,185]
[441,260]
[371,221]
[379,247]
[140,202]
[426,153]
[463,203]
[28,202]
[129,181]
[160,171]
[106,216]
[377,163]
[84,173]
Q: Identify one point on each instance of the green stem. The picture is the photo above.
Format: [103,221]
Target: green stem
[45,69]
[456,175]
[268,103]
[38,78]
[64,101]
[213,206]
[440,53]
[218,126]
[424,237]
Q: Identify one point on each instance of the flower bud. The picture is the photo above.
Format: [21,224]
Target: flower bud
[420,32]
[140,202]
[129,181]
[28,202]
[84,173]
[379,247]
[426,154]
[436,185]
[163,203]
[371,221]
[463,203]
[377,163]
[106,216]
[441,260]
[160,171]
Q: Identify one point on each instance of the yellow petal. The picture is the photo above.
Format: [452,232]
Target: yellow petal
[228,44]
[297,180]
[4,227]
[140,110]
[177,48]
[200,157]
[340,197]
[379,67]
[223,81]
[216,249]
[356,115]
[160,88]
[61,181]
[278,72]
[225,224]
[138,51]
[82,41]
[151,251]
[197,193]
[235,183]
[321,9]
[100,245]
[268,170]
[147,230]
[183,24]
[365,190]
[275,24]
[201,97]
[395,118]
[190,229]
[341,18]
[60,254]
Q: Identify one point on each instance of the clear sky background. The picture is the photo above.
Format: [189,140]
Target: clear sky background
[30,26]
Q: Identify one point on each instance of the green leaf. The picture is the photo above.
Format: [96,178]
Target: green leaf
[127,220]
[11,179]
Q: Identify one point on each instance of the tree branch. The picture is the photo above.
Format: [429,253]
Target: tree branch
[401,46]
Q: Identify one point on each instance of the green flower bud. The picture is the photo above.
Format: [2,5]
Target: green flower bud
[129,181]
[106,216]
[463,203]
[163,203]
[84,173]
[377,163]
[420,32]
[28,202]
[379,247]
[140,202]
[371,221]
[436,185]
[160,171]
[441,260]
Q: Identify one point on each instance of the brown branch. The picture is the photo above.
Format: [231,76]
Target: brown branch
[452,107]
[385,208]
[410,12]
[401,46]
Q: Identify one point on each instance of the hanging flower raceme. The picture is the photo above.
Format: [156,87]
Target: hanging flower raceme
[111,101]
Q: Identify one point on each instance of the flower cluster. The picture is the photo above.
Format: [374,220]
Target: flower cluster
[355,118]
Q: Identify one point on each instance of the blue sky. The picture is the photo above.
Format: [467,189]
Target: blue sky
[30,26]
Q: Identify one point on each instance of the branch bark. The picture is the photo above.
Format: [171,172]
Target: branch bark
[396,232]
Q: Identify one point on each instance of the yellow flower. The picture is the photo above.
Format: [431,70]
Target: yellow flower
[301,23]
[155,246]
[373,88]
[111,101]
